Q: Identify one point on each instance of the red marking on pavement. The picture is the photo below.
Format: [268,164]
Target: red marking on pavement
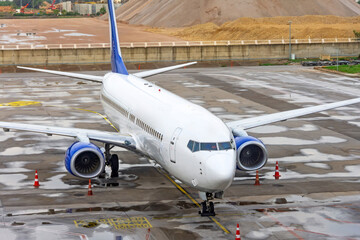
[335,220]
[282,225]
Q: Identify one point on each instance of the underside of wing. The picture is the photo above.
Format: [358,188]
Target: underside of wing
[281,116]
[149,73]
[91,78]
[84,135]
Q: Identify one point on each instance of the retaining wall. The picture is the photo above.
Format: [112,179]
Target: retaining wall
[175,53]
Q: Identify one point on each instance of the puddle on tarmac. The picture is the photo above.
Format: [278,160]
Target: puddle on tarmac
[14,151]
[350,171]
[56,182]
[228,101]
[13,181]
[195,85]
[314,155]
[15,167]
[217,109]
[296,141]
[277,210]
[318,165]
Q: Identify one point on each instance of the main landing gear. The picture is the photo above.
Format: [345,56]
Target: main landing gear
[111,160]
[207,207]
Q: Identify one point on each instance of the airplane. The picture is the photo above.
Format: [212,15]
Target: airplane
[188,141]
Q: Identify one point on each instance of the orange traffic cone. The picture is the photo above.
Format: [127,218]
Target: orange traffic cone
[277,174]
[36,183]
[139,67]
[257,180]
[148,234]
[237,233]
[90,193]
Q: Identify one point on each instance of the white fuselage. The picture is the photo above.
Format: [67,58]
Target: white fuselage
[162,125]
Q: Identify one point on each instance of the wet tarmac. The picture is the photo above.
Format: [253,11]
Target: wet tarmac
[317,196]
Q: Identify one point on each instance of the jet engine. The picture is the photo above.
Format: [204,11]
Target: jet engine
[251,153]
[84,160]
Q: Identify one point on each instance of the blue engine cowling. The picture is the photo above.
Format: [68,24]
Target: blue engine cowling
[251,153]
[84,160]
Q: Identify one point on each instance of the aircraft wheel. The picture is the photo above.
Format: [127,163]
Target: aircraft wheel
[114,163]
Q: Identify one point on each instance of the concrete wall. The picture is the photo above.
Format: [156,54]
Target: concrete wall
[177,53]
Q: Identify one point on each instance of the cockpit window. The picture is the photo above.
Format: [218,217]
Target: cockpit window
[224,146]
[196,147]
[190,145]
[208,146]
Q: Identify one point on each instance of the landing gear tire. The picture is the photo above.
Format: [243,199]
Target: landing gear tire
[207,208]
[114,163]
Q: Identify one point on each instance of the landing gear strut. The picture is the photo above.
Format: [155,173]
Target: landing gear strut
[111,160]
[207,207]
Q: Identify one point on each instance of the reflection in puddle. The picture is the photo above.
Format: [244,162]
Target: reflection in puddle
[318,165]
[313,155]
[13,181]
[268,129]
[13,151]
[228,101]
[296,141]
[15,167]
[350,171]
[56,182]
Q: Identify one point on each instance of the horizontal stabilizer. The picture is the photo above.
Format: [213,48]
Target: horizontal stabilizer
[67,74]
[149,73]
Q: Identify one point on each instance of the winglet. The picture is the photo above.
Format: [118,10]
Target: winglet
[117,63]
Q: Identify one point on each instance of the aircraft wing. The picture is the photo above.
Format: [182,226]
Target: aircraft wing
[282,116]
[84,135]
[67,74]
[149,73]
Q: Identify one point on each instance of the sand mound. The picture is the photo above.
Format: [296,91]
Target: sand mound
[269,28]
[181,13]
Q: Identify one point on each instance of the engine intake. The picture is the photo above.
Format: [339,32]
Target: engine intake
[251,153]
[84,160]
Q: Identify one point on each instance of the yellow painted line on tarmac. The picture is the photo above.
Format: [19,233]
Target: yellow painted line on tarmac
[118,223]
[194,201]
[101,115]
[182,190]
[19,104]
[27,103]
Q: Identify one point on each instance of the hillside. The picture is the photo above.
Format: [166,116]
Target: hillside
[181,13]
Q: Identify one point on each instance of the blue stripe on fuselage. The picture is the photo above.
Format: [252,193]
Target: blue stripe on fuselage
[117,64]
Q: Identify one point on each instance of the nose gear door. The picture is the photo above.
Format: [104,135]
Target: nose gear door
[173,144]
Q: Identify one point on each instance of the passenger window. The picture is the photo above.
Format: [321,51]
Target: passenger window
[208,146]
[190,145]
[224,146]
[196,147]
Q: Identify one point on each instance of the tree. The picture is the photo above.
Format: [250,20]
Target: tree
[357,34]
[102,10]
[37,3]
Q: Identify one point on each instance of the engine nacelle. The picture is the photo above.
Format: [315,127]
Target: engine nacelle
[251,153]
[84,160]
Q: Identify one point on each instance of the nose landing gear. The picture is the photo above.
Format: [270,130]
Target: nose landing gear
[207,207]
[111,160]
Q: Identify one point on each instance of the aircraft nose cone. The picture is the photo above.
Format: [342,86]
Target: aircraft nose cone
[220,171]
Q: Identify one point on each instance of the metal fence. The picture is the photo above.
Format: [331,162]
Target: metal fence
[179,43]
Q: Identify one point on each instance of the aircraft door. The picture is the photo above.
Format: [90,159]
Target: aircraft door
[173,144]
